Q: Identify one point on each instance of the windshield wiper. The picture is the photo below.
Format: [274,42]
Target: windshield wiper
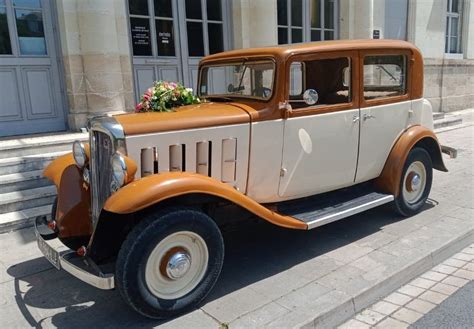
[242,76]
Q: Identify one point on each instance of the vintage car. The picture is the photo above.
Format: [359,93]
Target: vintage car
[297,135]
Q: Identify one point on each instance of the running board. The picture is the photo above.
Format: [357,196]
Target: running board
[316,214]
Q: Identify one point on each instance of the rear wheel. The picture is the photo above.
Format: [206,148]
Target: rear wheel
[169,262]
[415,183]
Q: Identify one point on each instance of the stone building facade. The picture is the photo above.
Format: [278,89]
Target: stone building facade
[68,60]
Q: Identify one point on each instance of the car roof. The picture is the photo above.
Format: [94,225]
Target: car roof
[284,51]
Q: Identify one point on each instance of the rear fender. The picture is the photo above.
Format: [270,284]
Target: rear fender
[415,136]
[154,189]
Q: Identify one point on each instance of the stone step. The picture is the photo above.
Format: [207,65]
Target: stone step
[18,147]
[27,163]
[438,115]
[20,200]
[23,218]
[23,181]
[447,121]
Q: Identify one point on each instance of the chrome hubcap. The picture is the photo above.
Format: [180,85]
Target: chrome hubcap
[178,265]
[414,182]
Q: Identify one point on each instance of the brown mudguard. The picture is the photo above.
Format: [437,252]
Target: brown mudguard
[72,214]
[156,188]
[415,136]
[73,208]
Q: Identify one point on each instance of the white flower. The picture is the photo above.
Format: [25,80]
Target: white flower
[189,89]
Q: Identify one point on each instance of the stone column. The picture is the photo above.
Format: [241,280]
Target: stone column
[357,19]
[254,23]
[427,26]
[97,59]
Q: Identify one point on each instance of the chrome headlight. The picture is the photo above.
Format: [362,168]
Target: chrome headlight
[79,154]
[119,171]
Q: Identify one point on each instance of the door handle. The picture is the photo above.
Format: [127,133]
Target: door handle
[355,118]
[368,116]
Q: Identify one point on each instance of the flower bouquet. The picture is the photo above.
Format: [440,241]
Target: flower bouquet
[164,96]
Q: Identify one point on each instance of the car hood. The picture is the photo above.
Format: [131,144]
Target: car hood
[186,117]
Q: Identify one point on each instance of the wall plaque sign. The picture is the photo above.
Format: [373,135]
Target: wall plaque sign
[140,29]
[376,34]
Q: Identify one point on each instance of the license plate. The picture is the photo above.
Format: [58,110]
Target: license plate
[48,252]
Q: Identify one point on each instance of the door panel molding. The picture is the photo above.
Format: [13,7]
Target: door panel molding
[140,78]
[7,92]
[34,96]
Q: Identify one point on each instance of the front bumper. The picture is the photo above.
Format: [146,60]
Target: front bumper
[64,258]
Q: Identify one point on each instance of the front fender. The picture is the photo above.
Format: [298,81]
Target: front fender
[153,189]
[73,203]
[415,136]
[55,169]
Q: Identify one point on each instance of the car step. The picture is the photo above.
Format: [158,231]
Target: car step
[326,209]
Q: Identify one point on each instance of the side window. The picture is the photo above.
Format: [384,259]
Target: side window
[384,76]
[329,78]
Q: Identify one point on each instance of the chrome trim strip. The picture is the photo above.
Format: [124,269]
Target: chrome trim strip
[349,212]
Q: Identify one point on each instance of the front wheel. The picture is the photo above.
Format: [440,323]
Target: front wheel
[169,262]
[415,183]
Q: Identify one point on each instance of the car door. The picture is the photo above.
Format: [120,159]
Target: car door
[320,142]
[385,107]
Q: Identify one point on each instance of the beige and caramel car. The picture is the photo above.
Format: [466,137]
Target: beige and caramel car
[299,136]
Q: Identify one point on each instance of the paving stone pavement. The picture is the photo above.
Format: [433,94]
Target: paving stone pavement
[273,277]
[408,305]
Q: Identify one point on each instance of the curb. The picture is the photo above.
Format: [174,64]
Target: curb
[350,307]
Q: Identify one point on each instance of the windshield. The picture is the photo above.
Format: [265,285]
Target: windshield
[250,79]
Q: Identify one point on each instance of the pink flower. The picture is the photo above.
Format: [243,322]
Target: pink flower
[138,107]
[146,96]
[149,91]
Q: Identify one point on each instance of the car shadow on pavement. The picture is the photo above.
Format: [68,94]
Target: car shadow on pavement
[253,253]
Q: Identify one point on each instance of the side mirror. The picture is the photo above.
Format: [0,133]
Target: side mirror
[310,96]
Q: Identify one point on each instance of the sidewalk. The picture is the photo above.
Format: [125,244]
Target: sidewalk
[418,300]
[272,277]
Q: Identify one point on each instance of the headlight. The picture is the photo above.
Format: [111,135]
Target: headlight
[119,170]
[79,154]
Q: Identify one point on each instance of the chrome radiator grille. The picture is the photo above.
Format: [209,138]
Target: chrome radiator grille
[101,171]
